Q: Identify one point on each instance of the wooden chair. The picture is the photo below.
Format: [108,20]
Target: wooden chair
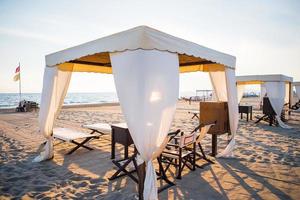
[204,130]
[269,113]
[131,162]
[179,154]
[296,106]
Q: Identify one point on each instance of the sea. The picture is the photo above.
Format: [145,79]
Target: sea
[11,100]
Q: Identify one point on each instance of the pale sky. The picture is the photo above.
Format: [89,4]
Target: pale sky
[263,35]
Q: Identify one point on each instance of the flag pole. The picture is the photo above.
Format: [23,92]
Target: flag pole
[20,92]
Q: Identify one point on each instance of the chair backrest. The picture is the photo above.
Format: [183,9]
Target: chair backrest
[204,131]
[186,140]
[197,128]
[169,137]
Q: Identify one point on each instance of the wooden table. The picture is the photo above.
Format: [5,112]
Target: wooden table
[247,110]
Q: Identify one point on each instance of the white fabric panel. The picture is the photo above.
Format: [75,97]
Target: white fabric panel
[55,86]
[147,84]
[287,93]
[276,94]
[297,87]
[264,78]
[263,91]
[232,110]
[224,85]
[141,37]
[218,82]
[240,92]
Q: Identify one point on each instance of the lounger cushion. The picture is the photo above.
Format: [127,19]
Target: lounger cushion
[194,112]
[68,135]
[101,127]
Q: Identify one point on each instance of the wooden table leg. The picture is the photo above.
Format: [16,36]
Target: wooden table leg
[214,148]
[247,116]
[141,172]
[126,151]
[113,145]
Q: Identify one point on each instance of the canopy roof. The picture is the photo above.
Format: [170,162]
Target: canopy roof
[296,83]
[94,56]
[259,79]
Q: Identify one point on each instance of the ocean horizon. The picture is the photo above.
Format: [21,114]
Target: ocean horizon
[11,100]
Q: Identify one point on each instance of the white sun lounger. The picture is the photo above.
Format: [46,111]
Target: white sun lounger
[102,128]
[70,135]
[195,113]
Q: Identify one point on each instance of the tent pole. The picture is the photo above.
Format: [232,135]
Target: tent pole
[290,97]
[141,171]
[20,92]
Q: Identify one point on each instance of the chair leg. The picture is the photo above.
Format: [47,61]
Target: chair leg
[80,145]
[194,156]
[203,154]
[122,168]
[163,176]
[179,165]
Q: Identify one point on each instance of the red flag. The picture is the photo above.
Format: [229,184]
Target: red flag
[17,69]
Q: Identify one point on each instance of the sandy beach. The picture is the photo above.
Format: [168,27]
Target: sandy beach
[266,163]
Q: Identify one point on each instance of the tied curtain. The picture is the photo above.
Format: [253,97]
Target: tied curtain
[55,86]
[240,91]
[287,93]
[263,93]
[276,93]
[297,87]
[224,85]
[147,84]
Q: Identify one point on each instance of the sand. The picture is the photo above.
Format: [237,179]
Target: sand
[266,163]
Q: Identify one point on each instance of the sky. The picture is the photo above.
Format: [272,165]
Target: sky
[264,36]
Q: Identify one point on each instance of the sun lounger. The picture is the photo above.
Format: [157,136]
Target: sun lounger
[195,113]
[101,128]
[70,135]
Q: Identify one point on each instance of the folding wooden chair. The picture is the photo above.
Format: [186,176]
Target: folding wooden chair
[204,130]
[195,114]
[127,166]
[122,165]
[179,155]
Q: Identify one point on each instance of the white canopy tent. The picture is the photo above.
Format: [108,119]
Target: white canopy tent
[276,86]
[297,88]
[146,64]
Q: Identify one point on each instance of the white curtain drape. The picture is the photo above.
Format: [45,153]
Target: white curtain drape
[276,93]
[224,85]
[218,82]
[240,92]
[263,91]
[147,84]
[287,93]
[262,94]
[297,87]
[55,86]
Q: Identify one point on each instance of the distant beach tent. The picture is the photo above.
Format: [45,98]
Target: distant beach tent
[145,64]
[277,87]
